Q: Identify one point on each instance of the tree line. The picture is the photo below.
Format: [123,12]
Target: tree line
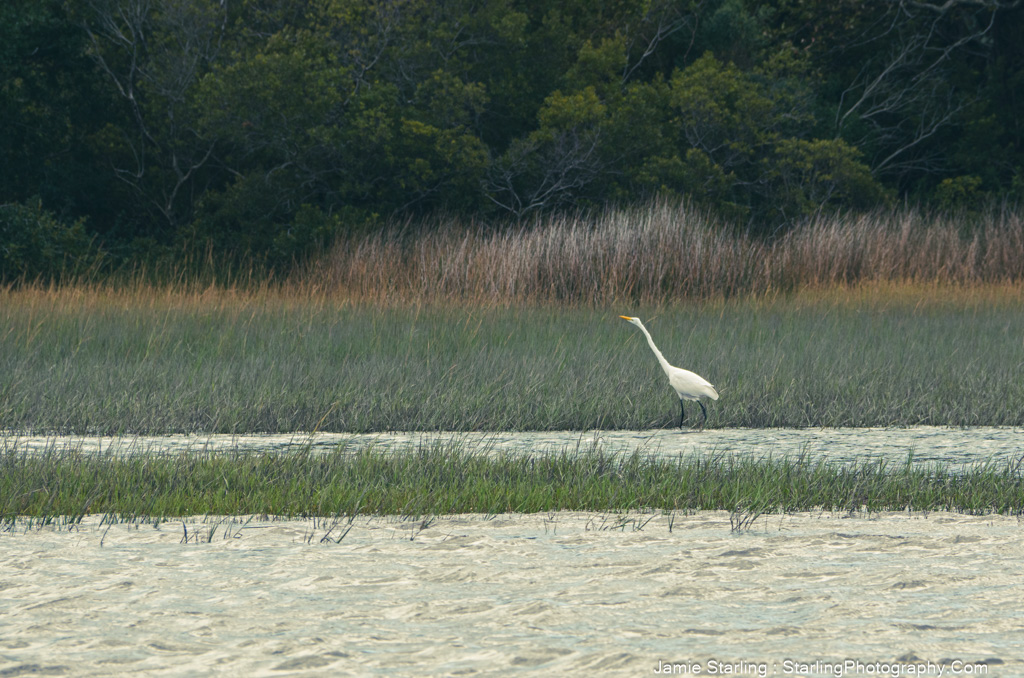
[139,129]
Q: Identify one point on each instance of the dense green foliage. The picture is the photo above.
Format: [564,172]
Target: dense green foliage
[266,127]
[200,366]
[444,479]
[33,243]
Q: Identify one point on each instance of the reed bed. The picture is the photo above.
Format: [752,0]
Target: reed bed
[667,252]
[879,320]
[443,479]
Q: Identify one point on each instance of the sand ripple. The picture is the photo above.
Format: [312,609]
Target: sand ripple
[550,594]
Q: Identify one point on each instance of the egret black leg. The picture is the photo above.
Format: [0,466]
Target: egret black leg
[682,413]
[705,411]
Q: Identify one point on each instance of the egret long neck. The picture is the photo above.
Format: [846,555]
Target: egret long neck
[657,353]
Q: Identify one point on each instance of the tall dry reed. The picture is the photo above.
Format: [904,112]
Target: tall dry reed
[665,252]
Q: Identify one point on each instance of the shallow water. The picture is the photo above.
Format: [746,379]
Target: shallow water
[539,595]
[927,444]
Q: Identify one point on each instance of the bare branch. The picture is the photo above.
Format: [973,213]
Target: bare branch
[665,24]
[154,76]
[911,83]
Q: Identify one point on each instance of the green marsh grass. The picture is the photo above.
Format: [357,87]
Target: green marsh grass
[443,479]
[223,361]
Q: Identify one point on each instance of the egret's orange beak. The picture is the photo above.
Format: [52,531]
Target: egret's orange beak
[625,317]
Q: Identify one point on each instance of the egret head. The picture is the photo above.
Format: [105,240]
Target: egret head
[633,321]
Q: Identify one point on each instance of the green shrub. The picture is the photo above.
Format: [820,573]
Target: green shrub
[35,244]
[959,193]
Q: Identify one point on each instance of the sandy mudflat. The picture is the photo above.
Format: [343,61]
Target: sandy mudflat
[553,594]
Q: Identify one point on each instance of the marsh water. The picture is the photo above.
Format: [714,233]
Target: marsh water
[924,444]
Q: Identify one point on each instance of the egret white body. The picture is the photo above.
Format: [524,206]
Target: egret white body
[687,384]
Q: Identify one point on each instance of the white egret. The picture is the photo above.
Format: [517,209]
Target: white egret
[688,386]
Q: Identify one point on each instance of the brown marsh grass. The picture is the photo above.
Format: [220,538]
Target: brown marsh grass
[659,255]
[668,252]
